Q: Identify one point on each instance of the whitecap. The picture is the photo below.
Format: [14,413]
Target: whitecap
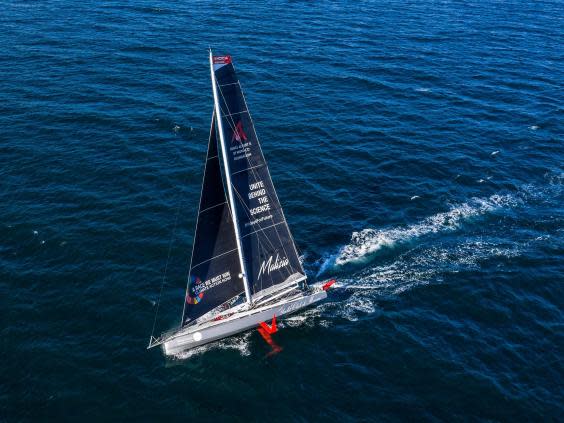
[368,241]
[415,268]
[308,318]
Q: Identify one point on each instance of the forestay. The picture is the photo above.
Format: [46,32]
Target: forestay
[214,268]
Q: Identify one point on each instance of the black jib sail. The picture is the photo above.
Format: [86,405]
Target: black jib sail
[214,268]
[268,248]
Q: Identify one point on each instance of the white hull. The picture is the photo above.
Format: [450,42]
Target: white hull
[200,334]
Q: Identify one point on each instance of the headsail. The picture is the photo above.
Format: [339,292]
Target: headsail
[214,268]
[268,247]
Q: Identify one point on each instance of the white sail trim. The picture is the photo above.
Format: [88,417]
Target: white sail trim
[293,279]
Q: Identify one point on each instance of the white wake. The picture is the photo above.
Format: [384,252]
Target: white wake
[369,241]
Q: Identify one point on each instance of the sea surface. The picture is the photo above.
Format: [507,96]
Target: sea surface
[417,149]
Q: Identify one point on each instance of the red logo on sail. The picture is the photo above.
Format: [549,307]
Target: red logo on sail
[238,133]
[221,60]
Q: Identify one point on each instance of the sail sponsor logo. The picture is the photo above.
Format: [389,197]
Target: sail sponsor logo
[239,134]
[260,209]
[256,221]
[197,287]
[240,144]
[195,281]
[257,193]
[194,300]
[221,60]
[269,265]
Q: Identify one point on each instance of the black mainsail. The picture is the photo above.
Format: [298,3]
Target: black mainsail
[214,268]
[268,250]
[243,248]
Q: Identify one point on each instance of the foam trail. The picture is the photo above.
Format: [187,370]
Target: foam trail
[417,267]
[369,241]
[240,343]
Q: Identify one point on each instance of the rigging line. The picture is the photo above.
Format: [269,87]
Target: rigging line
[268,227]
[197,221]
[233,128]
[263,229]
[166,269]
[237,113]
[260,243]
[231,83]
[214,257]
[223,177]
[245,208]
[273,189]
[247,212]
[170,243]
[247,169]
[212,207]
[268,171]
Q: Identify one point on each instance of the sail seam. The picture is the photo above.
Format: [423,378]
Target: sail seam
[209,208]
[231,83]
[236,113]
[262,229]
[214,257]
[249,168]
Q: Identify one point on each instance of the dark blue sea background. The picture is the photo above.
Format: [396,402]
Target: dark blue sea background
[416,146]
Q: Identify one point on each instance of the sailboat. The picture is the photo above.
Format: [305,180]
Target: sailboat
[245,269]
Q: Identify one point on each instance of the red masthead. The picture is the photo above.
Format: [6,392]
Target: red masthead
[221,60]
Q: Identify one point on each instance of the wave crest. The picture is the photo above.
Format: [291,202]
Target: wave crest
[368,241]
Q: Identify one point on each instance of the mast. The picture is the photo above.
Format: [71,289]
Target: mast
[229,185]
[270,255]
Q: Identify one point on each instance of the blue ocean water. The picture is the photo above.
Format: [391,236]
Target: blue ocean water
[417,148]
